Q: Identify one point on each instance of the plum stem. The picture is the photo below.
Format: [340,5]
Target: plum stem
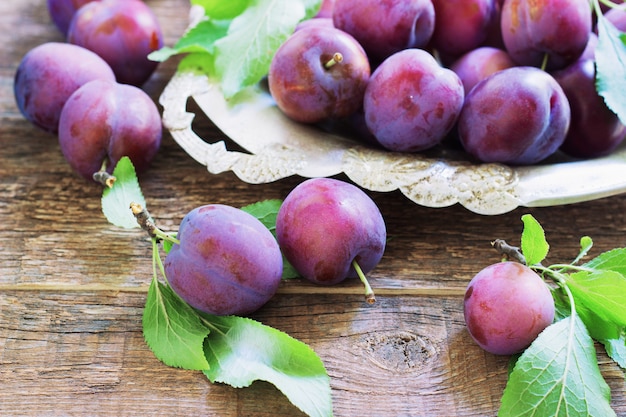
[369,293]
[103,177]
[146,223]
[336,59]
[509,251]
[544,62]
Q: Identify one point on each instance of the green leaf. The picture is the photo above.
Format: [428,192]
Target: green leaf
[616,349]
[243,56]
[198,63]
[613,260]
[200,38]
[266,211]
[241,351]
[220,9]
[534,244]
[558,375]
[173,330]
[610,55]
[600,299]
[116,200]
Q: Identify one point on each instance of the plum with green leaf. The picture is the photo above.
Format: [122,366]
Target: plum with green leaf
[319,73]
[506,306]
[227,261]
[330,230]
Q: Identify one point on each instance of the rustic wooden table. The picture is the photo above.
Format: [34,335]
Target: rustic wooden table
[73,287]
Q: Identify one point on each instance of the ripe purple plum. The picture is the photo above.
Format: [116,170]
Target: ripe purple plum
[384,27]
[554,29]
[48,74]
[461,25]
[479,63]
[123,33]
[518,116]
[62,11]
[325,224]
[227,261]
[104,121]
[319,73]
[595,130]
[411,101]
[506,306]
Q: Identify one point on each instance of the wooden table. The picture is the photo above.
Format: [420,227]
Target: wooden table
[73,287]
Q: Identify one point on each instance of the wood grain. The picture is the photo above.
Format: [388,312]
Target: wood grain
[72,287]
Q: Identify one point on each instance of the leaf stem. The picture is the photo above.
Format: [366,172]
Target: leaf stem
[369,293]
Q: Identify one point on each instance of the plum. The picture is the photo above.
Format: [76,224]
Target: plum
[227,261]
[103,121]
[506,306]
[62,11]
[318,73]
[325,224]
[518,116]
[479,63]
[412,102]
[461,25]
[123,33]
[557,30]
[48,74]
[384,27]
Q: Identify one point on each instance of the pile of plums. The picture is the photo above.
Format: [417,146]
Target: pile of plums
[88,90]
[510,81]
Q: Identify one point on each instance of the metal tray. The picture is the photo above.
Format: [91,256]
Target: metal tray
[278,147]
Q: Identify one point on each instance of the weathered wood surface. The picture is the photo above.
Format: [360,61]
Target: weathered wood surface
[72,287]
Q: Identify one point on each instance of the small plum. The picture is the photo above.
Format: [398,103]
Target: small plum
[48,74]
[103,121]
[506,306]
[325,224]
[227,261]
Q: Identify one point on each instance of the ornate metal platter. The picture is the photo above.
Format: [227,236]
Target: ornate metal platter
[278,147]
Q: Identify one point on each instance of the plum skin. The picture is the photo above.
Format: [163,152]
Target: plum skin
[506,306]
[227,261]
[123,33]
[304,88]
[324,224]
[48,74]
[104,121]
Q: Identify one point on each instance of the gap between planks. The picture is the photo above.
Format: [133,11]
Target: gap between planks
[418,291]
